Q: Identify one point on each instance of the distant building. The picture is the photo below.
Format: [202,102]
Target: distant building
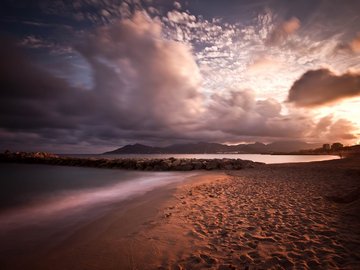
[326,147]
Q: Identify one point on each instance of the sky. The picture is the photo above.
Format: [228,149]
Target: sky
[88,76]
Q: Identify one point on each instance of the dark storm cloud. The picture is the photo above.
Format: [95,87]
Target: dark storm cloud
[28,94]
[146,89]
[144,86]
[319,87]
[240,114]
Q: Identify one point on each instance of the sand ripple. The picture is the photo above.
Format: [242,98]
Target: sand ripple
[275,217]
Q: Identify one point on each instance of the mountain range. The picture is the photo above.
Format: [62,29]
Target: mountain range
[216,148]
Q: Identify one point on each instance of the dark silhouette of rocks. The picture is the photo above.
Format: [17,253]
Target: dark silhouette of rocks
[142,164]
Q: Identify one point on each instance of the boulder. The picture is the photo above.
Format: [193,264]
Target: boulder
[169,164]
[212,165]
[176,163]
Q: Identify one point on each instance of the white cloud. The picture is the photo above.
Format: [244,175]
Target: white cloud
[156,80]
[35,42]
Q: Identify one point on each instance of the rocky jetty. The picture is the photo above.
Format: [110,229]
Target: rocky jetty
[141,164]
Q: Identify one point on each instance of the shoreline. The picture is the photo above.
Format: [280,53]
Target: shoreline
[282,216]
[165,163]
[140,164]
[34,247]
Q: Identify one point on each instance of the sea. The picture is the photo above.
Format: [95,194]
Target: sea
[33,193]
[266,158]
[47,199]
[49,190]
[41,202]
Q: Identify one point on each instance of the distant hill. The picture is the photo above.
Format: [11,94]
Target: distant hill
[136,149]
[216,148]
[291,146]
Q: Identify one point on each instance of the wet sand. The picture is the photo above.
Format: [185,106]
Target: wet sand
[286,216]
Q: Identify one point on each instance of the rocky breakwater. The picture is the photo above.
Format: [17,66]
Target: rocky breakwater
[141,164]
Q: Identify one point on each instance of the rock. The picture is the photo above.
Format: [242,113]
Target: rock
[212,165]
[197,165]
[176,163]
[186,166]
[165,164]
[170,164]
[140,165]
[228,167]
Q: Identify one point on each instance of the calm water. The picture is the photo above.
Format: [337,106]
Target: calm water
[41,206]
[42,202]
[34,194]
[268,159]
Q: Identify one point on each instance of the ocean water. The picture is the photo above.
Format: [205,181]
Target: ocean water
[37,194]
[42,205]
[268,159]
[34,195]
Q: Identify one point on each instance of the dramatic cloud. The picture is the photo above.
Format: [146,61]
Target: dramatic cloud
[100,74]
[142,74]
[240,113]
[263,65]
[142,83]
[351,47]
[355,44]
[319,87]
[282,31]
[28,94]
[34,42]
[332,130]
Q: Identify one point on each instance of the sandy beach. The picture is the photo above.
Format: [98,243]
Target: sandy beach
[284,216]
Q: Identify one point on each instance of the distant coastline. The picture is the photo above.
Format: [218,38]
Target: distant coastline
[216,148]
[276,148]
